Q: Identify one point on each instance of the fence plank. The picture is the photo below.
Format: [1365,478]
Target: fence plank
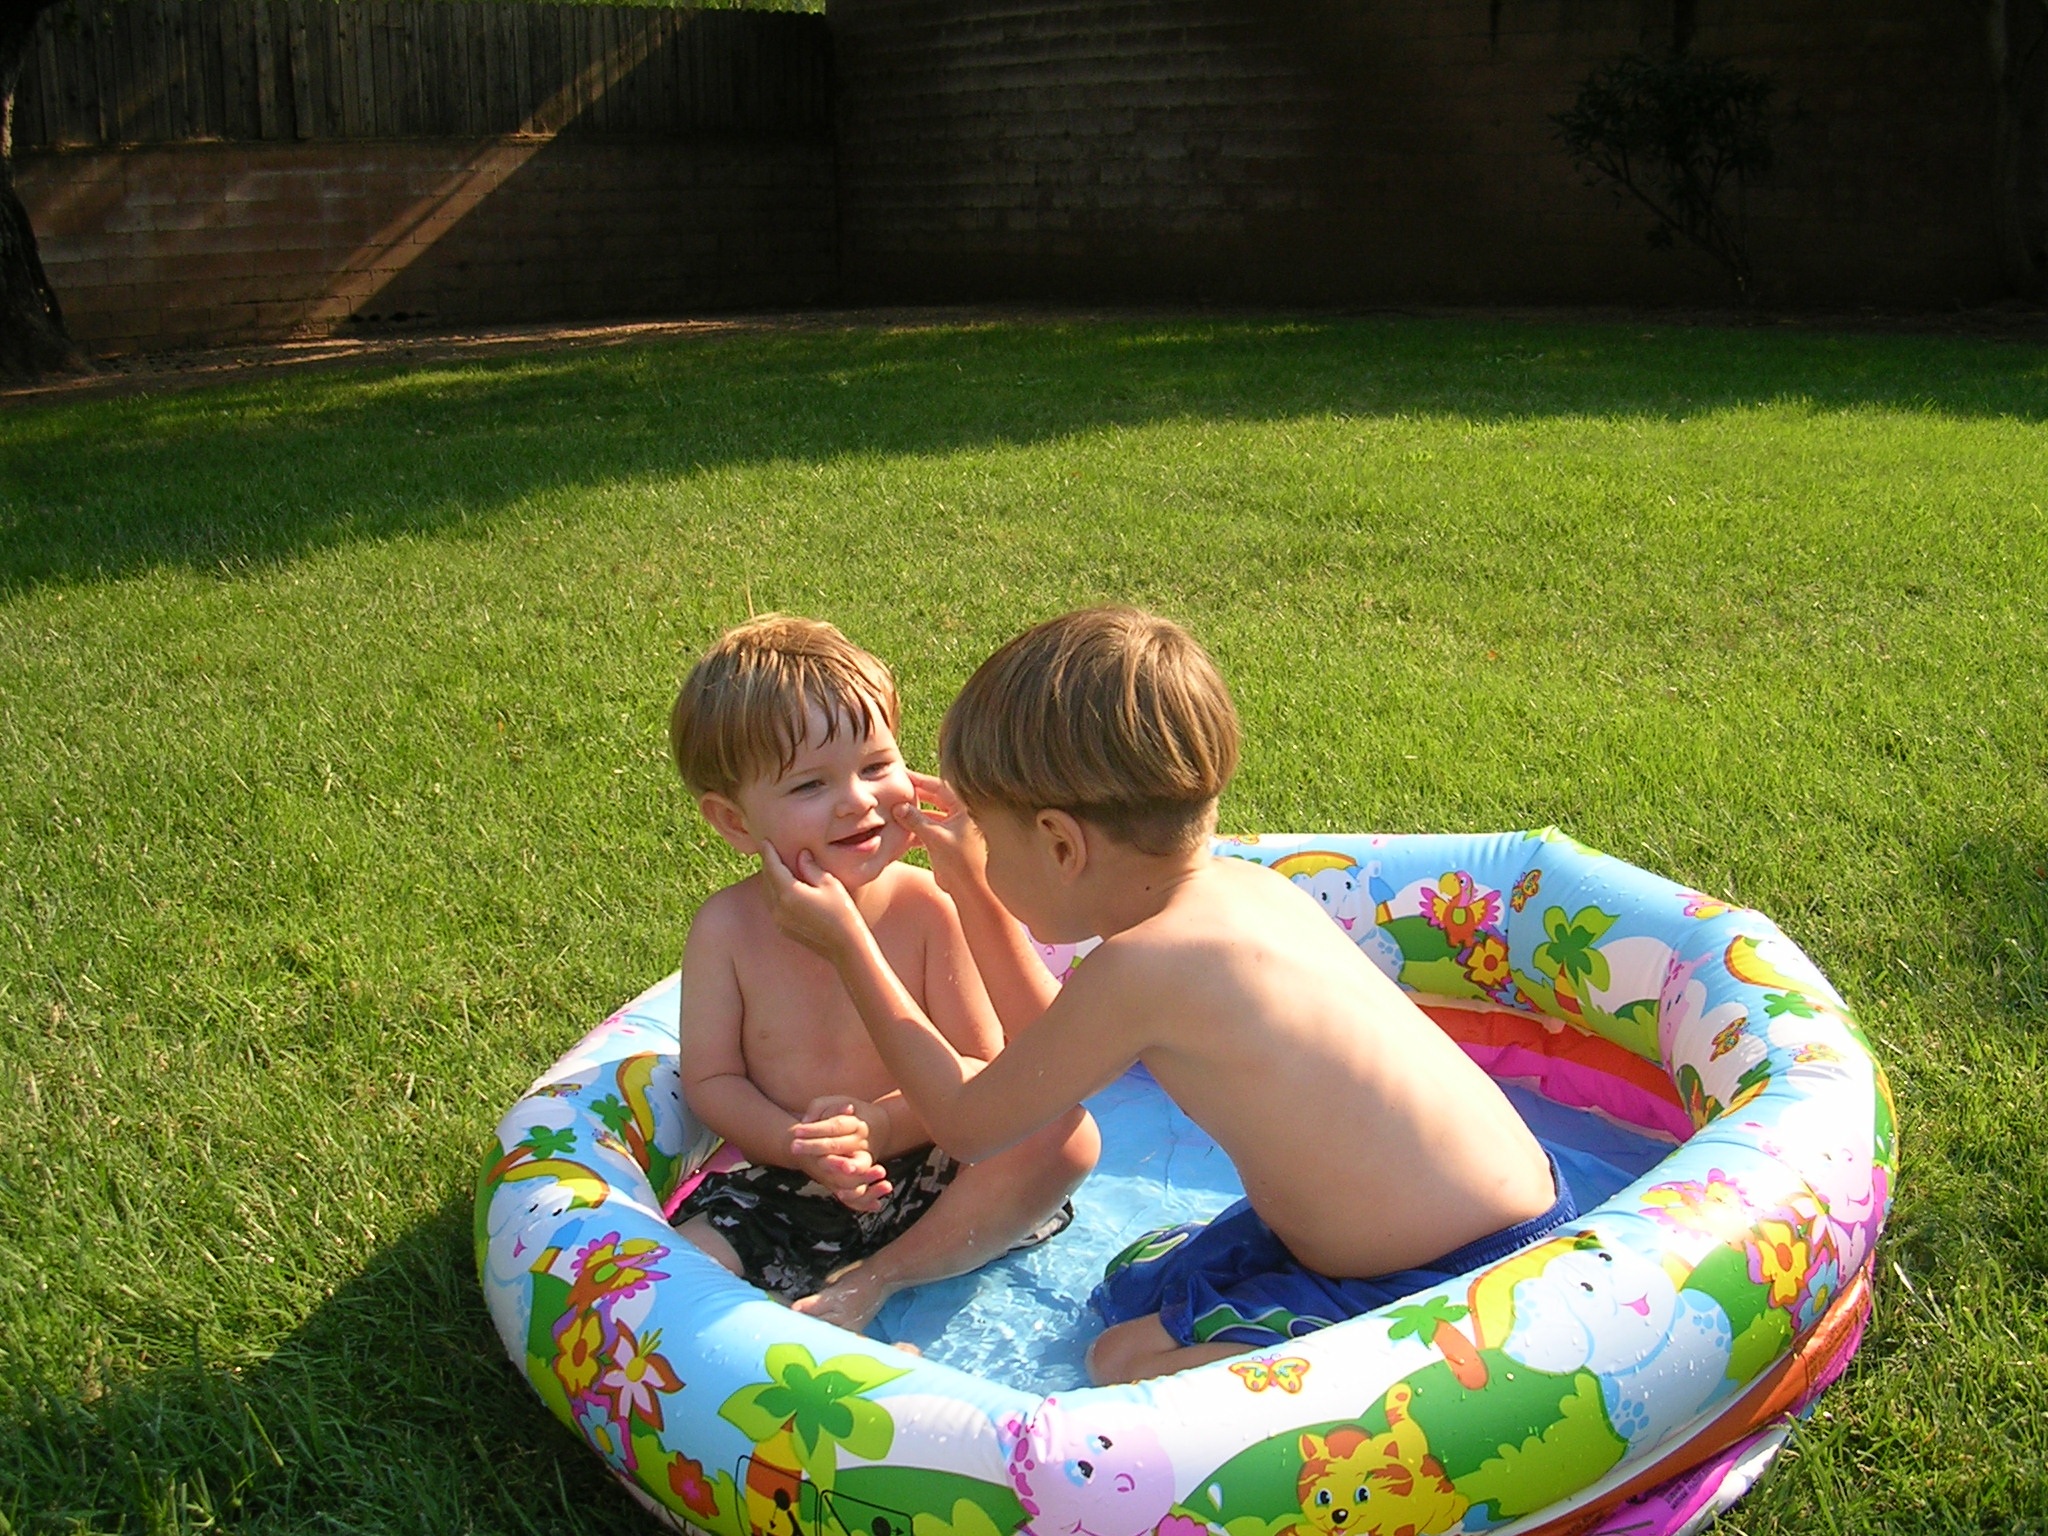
[202,77]
[230,37]
[498,70]
[411,38]
[170,22]
[518,68]
[119,39]
[298,58]
[26,127]
[654,96]
[49,84]
[440,42]
[472,35]
[575,57]
[370,67]
[598,26]
[150,81]
[267,125]
[102,69]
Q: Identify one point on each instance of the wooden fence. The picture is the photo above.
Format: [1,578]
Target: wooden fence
[169,71]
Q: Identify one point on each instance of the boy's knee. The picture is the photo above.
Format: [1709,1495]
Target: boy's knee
[1125,1351]
[1073,1142]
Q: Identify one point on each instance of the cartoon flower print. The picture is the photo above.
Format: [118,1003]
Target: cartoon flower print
[1823,1280]
[686,1480]
[1460,908]
[581,1352]
[1777,1257]
[1486,962]
[638,1376]
[593,1417]
[1530,883]
[608,1267]
[1811,1052]
[1714,1205]
[1729,1037]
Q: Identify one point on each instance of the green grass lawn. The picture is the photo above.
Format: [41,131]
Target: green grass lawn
[334,800]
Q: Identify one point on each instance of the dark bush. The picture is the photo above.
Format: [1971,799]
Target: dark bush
[1681,135]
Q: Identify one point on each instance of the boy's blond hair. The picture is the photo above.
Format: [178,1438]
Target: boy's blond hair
[1114,715]
[744,710]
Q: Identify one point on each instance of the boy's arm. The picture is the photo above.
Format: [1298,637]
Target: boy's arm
[1016,981]
[1085,1041]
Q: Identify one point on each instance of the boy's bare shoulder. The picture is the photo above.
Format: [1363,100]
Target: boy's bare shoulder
[1236,907]
[913,896]
[729,917]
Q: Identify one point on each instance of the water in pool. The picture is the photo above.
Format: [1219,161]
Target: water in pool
[1024,1320]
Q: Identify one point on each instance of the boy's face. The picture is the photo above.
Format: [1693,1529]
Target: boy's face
[1024,874]
[838,799]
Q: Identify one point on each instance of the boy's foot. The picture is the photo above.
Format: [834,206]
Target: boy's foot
[850,1298]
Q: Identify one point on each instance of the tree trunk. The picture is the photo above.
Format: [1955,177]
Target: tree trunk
[2014,34]
[33,340]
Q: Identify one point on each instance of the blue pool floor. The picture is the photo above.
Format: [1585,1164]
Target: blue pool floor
[1024,1320]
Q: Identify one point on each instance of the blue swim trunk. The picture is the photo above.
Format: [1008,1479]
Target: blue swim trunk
[1231,1281]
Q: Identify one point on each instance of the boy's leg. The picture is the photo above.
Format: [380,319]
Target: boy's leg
[980,1216]
[1142,1348]
[699,1232]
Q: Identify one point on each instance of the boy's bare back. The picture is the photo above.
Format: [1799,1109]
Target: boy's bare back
[1366,1138]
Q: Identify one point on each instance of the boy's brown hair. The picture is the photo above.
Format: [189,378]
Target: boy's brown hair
[744,710]
[1113,715]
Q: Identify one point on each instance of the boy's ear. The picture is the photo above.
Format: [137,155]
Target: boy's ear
[1063,836]
[728,821]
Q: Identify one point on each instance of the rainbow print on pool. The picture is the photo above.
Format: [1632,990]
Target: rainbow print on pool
[1635,1372]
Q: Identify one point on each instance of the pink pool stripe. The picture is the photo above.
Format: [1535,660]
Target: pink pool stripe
[1578,1070]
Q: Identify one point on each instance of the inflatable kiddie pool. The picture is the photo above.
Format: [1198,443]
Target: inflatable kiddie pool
[1634,1371]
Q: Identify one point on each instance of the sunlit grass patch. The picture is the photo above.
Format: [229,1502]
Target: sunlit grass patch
[334,803]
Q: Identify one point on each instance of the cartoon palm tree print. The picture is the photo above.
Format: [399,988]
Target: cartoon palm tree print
[1434,1320]
[1568,957]
[799,1417]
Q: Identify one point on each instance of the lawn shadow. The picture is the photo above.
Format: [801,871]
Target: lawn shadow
[252,474]
[391,1408]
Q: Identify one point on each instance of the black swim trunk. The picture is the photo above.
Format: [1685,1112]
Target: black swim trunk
[791,1232]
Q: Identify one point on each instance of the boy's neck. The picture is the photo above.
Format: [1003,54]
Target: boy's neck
[1134,886]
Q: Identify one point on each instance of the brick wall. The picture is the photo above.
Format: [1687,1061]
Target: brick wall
[1340,150]
[189,243]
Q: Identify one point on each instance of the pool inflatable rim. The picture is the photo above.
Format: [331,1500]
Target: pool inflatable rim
[629,1335]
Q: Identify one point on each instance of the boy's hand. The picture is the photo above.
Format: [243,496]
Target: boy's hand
[834,1145]
[947,832]
[810,905]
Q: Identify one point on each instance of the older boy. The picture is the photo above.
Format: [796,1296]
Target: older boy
[1090,753]
[786,733]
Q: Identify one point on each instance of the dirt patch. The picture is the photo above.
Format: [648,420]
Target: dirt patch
[199,368]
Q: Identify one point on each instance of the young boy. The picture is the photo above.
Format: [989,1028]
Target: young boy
[1088,755]
[786,733]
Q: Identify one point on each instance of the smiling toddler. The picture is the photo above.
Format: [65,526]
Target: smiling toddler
[785,732]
